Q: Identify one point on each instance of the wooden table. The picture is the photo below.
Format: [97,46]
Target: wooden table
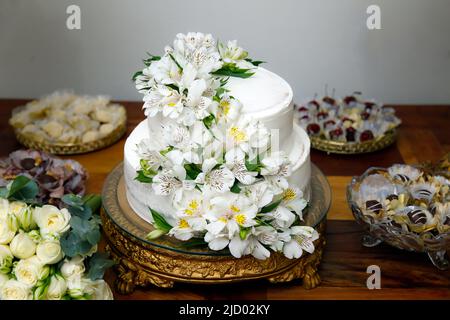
[424,136]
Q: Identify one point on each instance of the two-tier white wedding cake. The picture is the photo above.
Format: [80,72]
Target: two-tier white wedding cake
[219,156]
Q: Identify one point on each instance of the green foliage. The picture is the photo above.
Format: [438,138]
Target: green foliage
[254,62]
[270,207]
[98,264]
[235,188]
[231,70]
[192,170]
[243,233]
[150,59]
[254,165]
[159,221]
[209,120]
[21,189]
[141,177]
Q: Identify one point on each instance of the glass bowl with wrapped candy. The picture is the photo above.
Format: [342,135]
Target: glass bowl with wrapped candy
[406,207]
[349,125]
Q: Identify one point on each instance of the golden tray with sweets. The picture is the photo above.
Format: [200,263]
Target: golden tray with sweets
[164,261]
[342,147]
[58,148]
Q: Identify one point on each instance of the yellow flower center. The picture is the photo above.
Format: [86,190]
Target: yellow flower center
[192,207]
[240,219]
[183,224]
[235,209]
[225,106]
[289,194]
[171,104]
[223,219]
[238,135]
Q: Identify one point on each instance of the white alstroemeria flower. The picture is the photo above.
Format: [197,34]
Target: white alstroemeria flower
[199,50]
[163,99]
[15,290]
[251,245]
[294,201]
[173,182]
[195,99]
[259,193]
[153,158]
[192,208]
[165,71]
[241,137]
[276,168]
[230,212]
[229,109]
[302,238]
[220,179]
[241,173]
[232,53]
[144,81]
[282,217]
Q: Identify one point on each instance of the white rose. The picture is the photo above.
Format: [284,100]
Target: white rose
[51,220]
[73,267]
[49,251]
[7,233]
[29,271]
[78,287]
[6,259]
[57,288]
[4,208]
[102,291]
[23,246]
[15,290]
[24,215]
[3,279]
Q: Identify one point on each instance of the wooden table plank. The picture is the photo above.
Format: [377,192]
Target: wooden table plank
[424,135]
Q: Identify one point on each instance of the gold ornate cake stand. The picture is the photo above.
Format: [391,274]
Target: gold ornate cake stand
[164,261]
[341,147]
[30,141]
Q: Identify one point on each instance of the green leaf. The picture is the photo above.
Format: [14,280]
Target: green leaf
[141,177]
[74,245]
[98,264]
[166,151]
[173,86]
[92,202]
[270,207]
[192,170]
[254,165]
[23,189]
[230,70]
[176,62]
[87,230]
[155,234]
[194,242]
[4,192]
[151,58]
[159,221]
[208,121]
[235,188]
[73,200]
[136,74]
[255,62]
[243,233]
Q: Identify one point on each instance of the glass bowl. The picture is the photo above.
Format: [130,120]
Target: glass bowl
[435,245]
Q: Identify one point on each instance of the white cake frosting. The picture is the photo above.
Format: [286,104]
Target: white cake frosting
[265,97]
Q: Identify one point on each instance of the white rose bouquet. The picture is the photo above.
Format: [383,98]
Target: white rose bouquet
[47,252]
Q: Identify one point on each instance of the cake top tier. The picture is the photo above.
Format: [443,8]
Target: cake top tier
[265,92]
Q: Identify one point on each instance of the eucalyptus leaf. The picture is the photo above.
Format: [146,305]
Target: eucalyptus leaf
[98,264]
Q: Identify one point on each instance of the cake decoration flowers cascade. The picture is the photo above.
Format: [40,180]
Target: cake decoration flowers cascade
[227,184]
